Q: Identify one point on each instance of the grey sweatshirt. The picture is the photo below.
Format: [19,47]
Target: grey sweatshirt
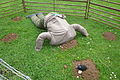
[59,31]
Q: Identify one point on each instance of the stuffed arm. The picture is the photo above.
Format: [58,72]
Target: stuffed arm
[81,29]
[40,40]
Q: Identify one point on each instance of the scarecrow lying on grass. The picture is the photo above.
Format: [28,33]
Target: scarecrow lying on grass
[59,31]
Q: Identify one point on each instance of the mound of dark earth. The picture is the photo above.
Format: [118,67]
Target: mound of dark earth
[69,44]
[9,37]
[92,73]
[109,36]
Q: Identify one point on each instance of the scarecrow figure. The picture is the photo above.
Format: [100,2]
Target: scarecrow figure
[59,30]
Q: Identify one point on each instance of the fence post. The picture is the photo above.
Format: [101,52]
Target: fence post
[23,2]
[87,9]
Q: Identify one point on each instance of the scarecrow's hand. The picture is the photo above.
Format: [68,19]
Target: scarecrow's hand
[80,29]
[40,40]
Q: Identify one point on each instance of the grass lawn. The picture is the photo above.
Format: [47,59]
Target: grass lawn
[48,63]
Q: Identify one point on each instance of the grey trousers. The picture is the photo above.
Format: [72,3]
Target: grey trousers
[38,21]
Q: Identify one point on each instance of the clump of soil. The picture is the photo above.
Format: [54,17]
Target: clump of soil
[65,66]
[92,73]
[69,44]
[17,18]
[9,37]
[109,36]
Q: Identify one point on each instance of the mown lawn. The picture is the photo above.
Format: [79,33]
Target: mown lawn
[48,63]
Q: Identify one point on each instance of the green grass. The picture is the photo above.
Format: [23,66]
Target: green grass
[48,63]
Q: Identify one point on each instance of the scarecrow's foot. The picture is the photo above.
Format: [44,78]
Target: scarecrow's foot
[39,13]
[29,16]
[37,49]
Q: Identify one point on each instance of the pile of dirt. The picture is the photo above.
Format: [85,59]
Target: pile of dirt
[9,37]
[92,73]
[109,36]
[17,18]
[69,44]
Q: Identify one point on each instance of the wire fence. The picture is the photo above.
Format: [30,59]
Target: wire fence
[104,11]
[57,6]
[8,8]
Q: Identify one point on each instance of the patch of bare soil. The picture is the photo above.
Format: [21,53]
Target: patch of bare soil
[109,36]
[17,18]
[92,73]
[9,37]
[69,44]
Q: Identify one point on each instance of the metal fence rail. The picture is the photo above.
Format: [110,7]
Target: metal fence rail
[52,3]
[117,15]
[111,2]
[105,14]
[105,6]
[57,7]
[6,2]
[86,9]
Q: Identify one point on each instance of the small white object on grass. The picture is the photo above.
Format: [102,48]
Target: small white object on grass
[112,72]
[88,43]
[109,45]
[115,33]
[110,77]
[61,46]
[90,48]
[111,17]
[90,38]
[79,72]
[108,57]
[77,76]
[115,76]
